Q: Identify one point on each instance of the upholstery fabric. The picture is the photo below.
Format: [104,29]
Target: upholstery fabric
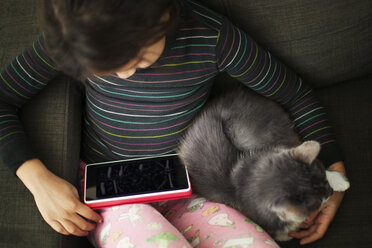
[325,42]
[55,118]
[18,28]
[55,138]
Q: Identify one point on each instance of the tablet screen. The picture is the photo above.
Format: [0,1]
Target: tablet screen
[143,176]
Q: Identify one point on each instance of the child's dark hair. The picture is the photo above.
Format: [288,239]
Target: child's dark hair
[85,36]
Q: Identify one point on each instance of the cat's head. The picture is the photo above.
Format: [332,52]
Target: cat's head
[310,187]
[297,181]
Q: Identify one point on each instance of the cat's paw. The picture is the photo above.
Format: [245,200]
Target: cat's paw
[337,181]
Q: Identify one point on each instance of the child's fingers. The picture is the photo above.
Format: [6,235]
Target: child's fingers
[310,220]
[304,233]
[318,233]
[82,223]
[58,227]
[73,229]
[306,224]
[89,213]
[312,216]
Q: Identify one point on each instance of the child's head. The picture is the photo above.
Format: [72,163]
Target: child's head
[89,36]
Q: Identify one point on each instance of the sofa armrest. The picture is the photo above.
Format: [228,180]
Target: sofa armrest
[52,121]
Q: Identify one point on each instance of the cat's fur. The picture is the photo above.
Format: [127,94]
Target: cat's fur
[242,151]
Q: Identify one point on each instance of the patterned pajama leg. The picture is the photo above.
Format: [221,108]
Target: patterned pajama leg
[136,225]
[209,224]
[192,222]
[133,226]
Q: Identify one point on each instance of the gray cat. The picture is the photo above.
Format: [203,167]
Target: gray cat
[242,151]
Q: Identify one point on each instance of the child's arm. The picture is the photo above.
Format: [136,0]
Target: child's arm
[22,79]
[241,57]
[57,200]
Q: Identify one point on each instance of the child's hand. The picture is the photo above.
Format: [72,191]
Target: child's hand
[57,200]
[316,225]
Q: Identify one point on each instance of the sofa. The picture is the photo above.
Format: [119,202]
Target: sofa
[328,43]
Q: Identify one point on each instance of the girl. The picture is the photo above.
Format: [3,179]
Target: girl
[147,68]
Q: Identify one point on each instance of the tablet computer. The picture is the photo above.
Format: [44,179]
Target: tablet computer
[135,181]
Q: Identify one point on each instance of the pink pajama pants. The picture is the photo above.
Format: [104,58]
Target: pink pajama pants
[191,222]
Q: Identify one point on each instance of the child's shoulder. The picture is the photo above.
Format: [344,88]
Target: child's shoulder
[198,12]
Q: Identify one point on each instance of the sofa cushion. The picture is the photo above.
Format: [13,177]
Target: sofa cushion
[324,41]
[53,122]
[18,28]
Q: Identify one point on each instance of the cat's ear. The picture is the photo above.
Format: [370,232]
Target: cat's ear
[306,152]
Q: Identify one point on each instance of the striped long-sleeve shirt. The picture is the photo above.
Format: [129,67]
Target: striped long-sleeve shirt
[147,113]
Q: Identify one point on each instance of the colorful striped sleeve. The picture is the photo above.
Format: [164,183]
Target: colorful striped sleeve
[23,78]
[243,59]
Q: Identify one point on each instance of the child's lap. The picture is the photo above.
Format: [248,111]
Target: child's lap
[135,225]
[202,223]
[210,224]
